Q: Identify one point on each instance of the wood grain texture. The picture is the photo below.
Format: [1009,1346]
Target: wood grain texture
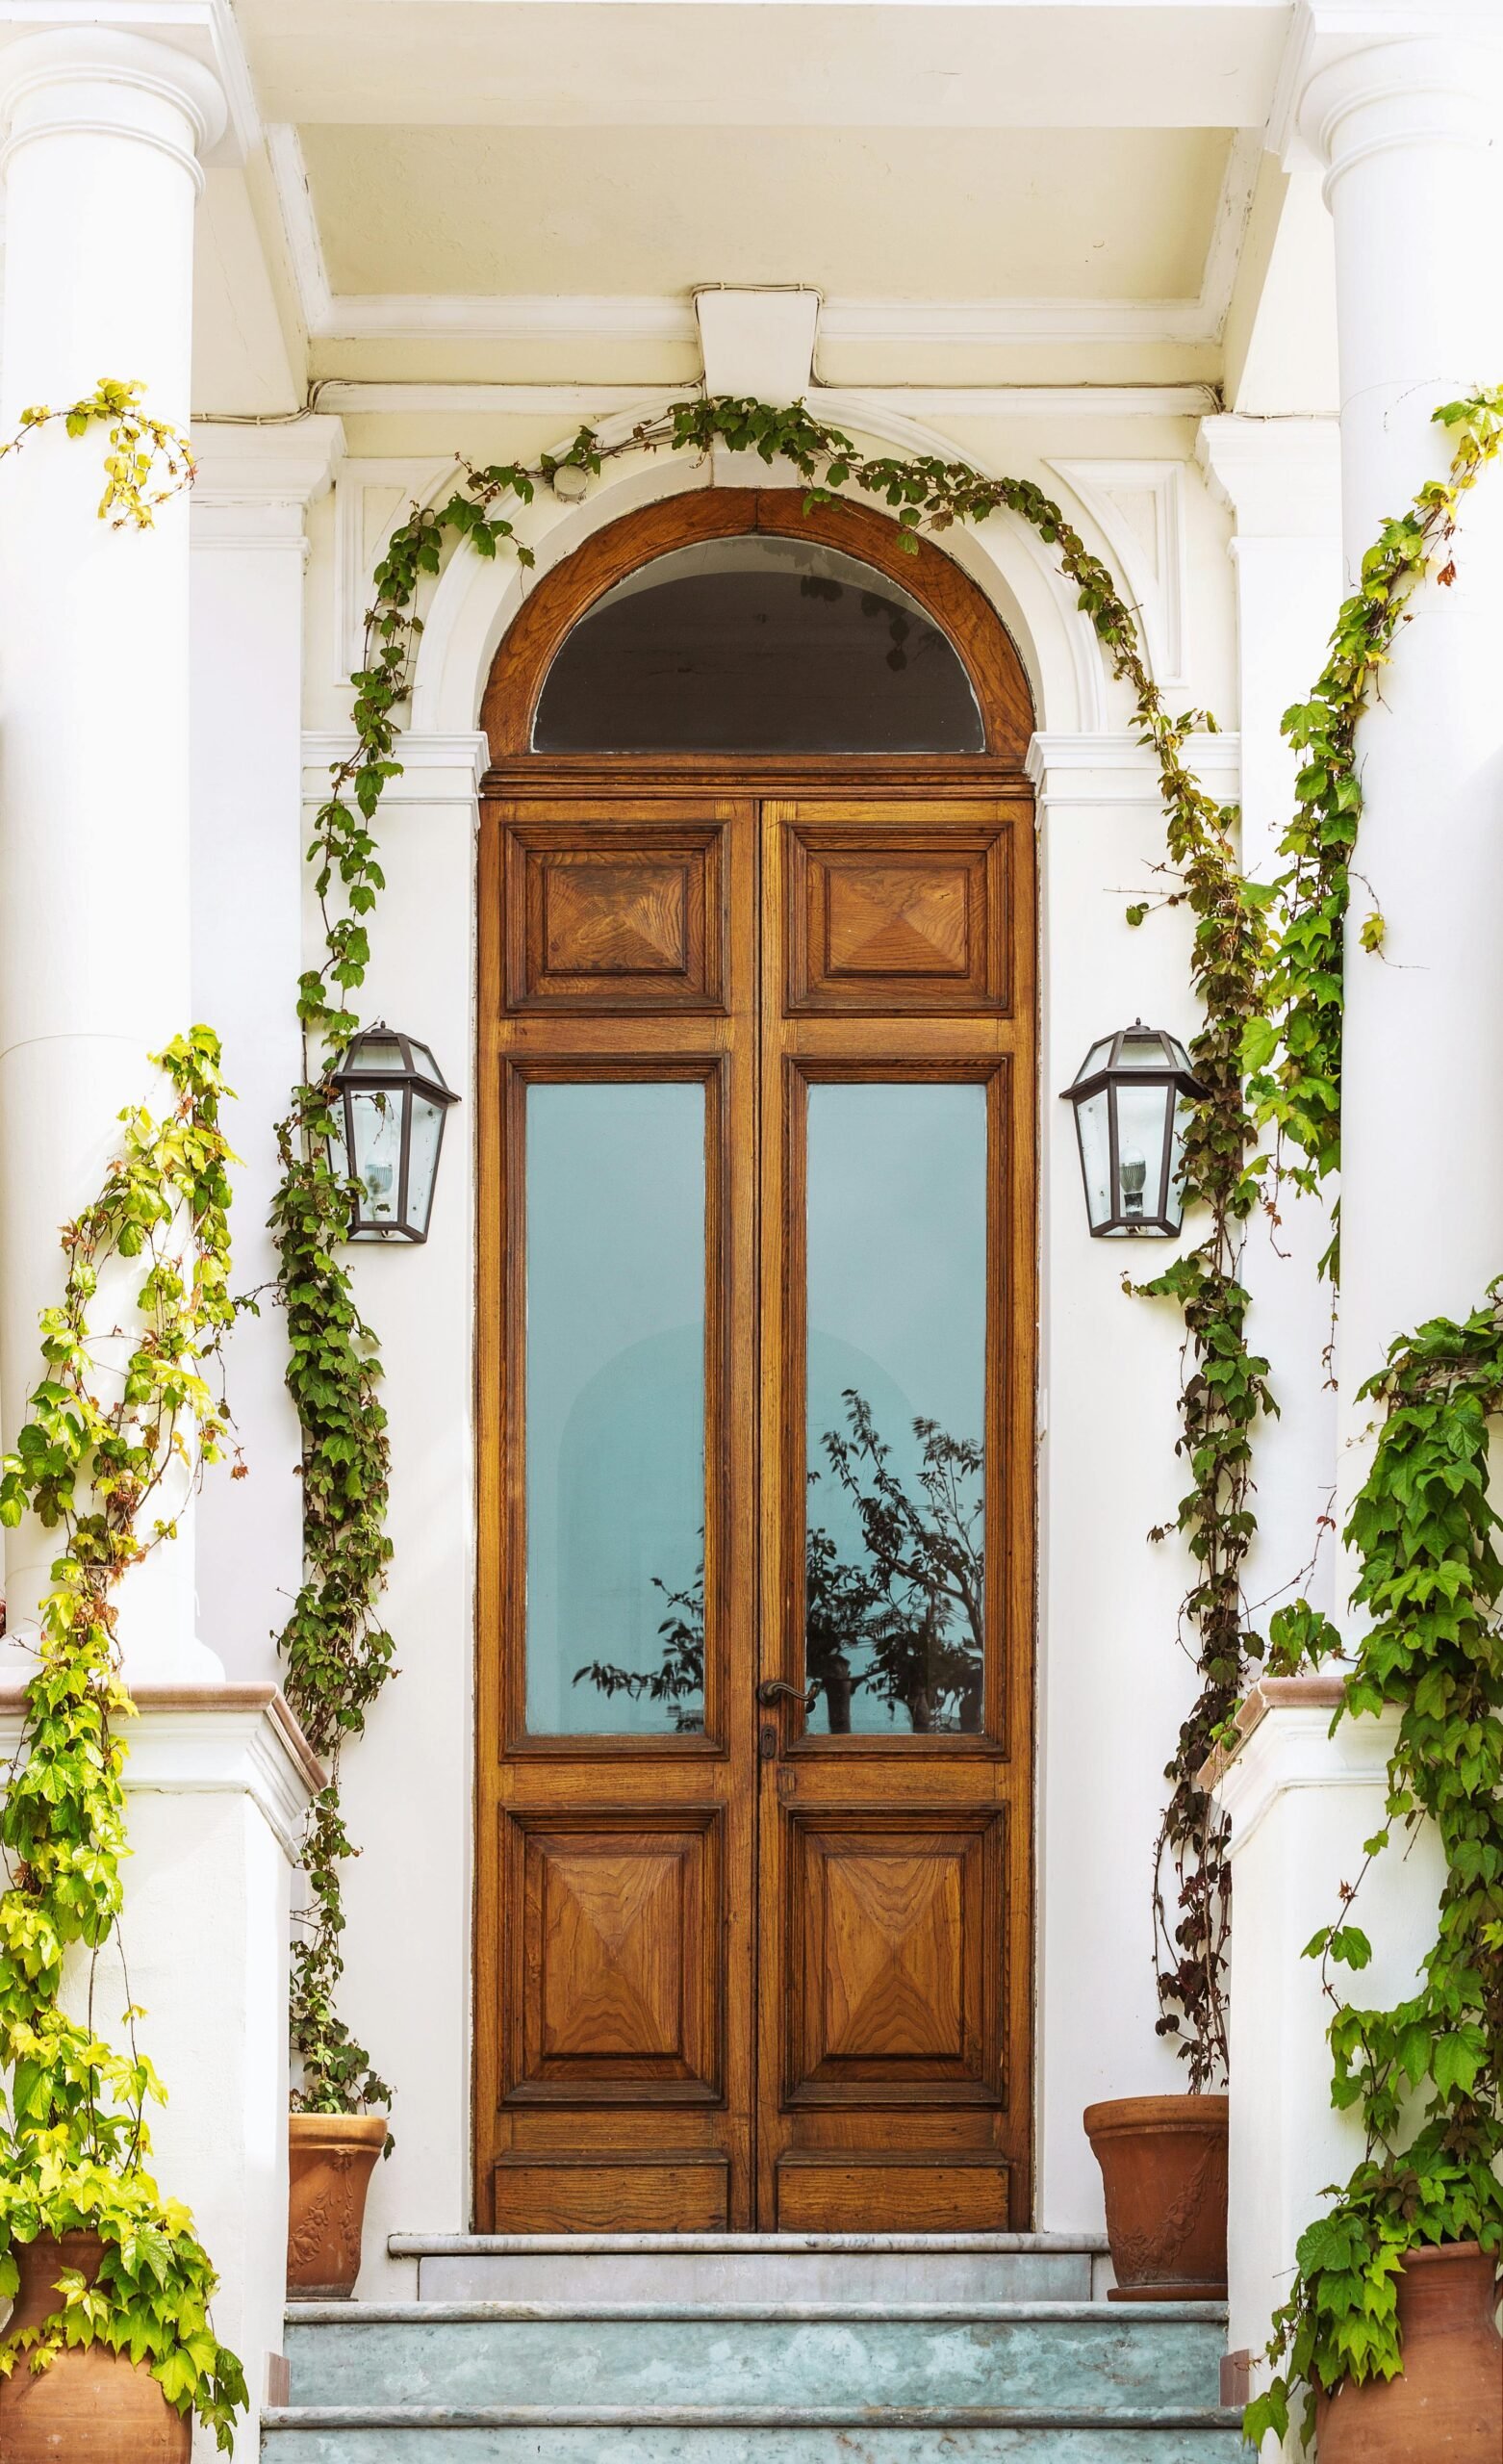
[757,1976]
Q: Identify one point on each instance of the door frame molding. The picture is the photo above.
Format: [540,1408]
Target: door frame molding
[517,672]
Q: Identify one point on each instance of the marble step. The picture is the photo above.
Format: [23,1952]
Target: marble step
[755,2266]
[367,2435]
[1062,2360]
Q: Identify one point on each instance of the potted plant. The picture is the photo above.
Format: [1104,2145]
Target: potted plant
[334,2136]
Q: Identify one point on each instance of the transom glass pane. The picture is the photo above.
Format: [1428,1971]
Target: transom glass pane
[615,1405]
[895,1544]
[753,645]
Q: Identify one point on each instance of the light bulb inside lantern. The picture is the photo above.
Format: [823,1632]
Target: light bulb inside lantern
[1135,1173]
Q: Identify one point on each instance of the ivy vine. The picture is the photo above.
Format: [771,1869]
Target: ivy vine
[96,1462]
[1293,1049]
[1423,1532]
[120,1427]
[338,1655]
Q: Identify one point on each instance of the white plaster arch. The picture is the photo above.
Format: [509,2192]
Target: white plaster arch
[476,599]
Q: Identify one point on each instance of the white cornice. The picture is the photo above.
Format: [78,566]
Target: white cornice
[352,395]
[1280,478]
[436,769]
[1116,769]
[1293,1746]
[209,1740]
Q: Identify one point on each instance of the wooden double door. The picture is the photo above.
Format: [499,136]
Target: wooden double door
[756,1412]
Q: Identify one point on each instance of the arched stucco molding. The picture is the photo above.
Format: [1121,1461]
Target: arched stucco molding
[476,599]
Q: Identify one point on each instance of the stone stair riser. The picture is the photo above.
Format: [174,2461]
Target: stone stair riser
[744,2276]
[1096,2361]
[1081,2443]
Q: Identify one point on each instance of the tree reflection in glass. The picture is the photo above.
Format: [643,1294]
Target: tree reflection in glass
[902,1623]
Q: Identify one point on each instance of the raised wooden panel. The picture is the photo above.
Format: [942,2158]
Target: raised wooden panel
[878,2194]
[614,1984]
[613,917]
[897,919]
[894,1925]
[682,2193]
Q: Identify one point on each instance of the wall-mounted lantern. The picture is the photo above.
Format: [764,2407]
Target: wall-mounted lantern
[1130,1094]
[391,1103]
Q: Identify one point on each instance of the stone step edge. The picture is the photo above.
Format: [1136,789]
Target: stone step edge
[531,2245]
[538,2417]
[1055,2314]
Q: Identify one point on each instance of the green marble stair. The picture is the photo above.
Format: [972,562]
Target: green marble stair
[1063,2381]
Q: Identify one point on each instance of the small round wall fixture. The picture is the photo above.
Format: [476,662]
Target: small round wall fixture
[392,1102]
[1130,1094]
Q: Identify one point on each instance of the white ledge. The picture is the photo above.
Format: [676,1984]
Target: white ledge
[1116,769]
[1286,1741]
[436,769]
[214,1740]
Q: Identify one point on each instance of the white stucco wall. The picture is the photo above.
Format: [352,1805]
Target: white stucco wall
[1113,1682]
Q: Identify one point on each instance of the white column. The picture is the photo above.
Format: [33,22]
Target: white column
[1412,135]
[1114,1683]
[1281,480]
[1301,1802]
[217,1783]
[101,172]
[250,546]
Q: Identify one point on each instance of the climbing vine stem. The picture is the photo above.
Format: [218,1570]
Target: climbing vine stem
[337,1654]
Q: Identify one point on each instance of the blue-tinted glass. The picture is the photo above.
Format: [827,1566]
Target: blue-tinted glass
[757,645]
[615,1405]
[893,1607]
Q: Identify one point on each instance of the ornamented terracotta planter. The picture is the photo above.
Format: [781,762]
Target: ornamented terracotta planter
[331,2160]
[1163,2162]
[1447,2407]
[91,2406]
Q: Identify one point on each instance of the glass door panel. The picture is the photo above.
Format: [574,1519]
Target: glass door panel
[615,1407]
[895,1352]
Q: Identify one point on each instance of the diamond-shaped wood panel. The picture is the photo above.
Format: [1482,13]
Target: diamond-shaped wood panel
[611,1977]
[614,916]
[896,1922]
[898,919]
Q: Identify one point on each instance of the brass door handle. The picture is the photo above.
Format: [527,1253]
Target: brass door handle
[772,1687]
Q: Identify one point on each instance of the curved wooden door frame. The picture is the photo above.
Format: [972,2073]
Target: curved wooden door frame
[956,604]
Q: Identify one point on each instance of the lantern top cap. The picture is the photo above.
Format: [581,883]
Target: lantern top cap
[1136,1052]
[382,1056]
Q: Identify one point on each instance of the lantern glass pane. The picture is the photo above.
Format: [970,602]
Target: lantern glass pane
[1141,1128]
[377,1120]
[1094,1130]
[425,1065]
[1174,1195]
[896,1400]
[1144,1052]
[422,1162]
[1096,1059]
[615,1408]
[375,1056]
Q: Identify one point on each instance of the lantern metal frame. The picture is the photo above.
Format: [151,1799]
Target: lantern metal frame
[1178,1080]
[400,1084]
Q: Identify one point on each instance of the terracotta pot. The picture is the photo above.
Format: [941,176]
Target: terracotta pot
[1448,2403]
[91,2406]
[1163,2162]
[330,2163]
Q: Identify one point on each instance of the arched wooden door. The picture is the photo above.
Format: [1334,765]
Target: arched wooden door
[756,1368]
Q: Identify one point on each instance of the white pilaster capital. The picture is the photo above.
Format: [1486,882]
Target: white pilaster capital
[1286,1742]
[208,1741]
[1095,770]
[436,769]
[255,484]
[105,81]
[1280,478]
[1367,80]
